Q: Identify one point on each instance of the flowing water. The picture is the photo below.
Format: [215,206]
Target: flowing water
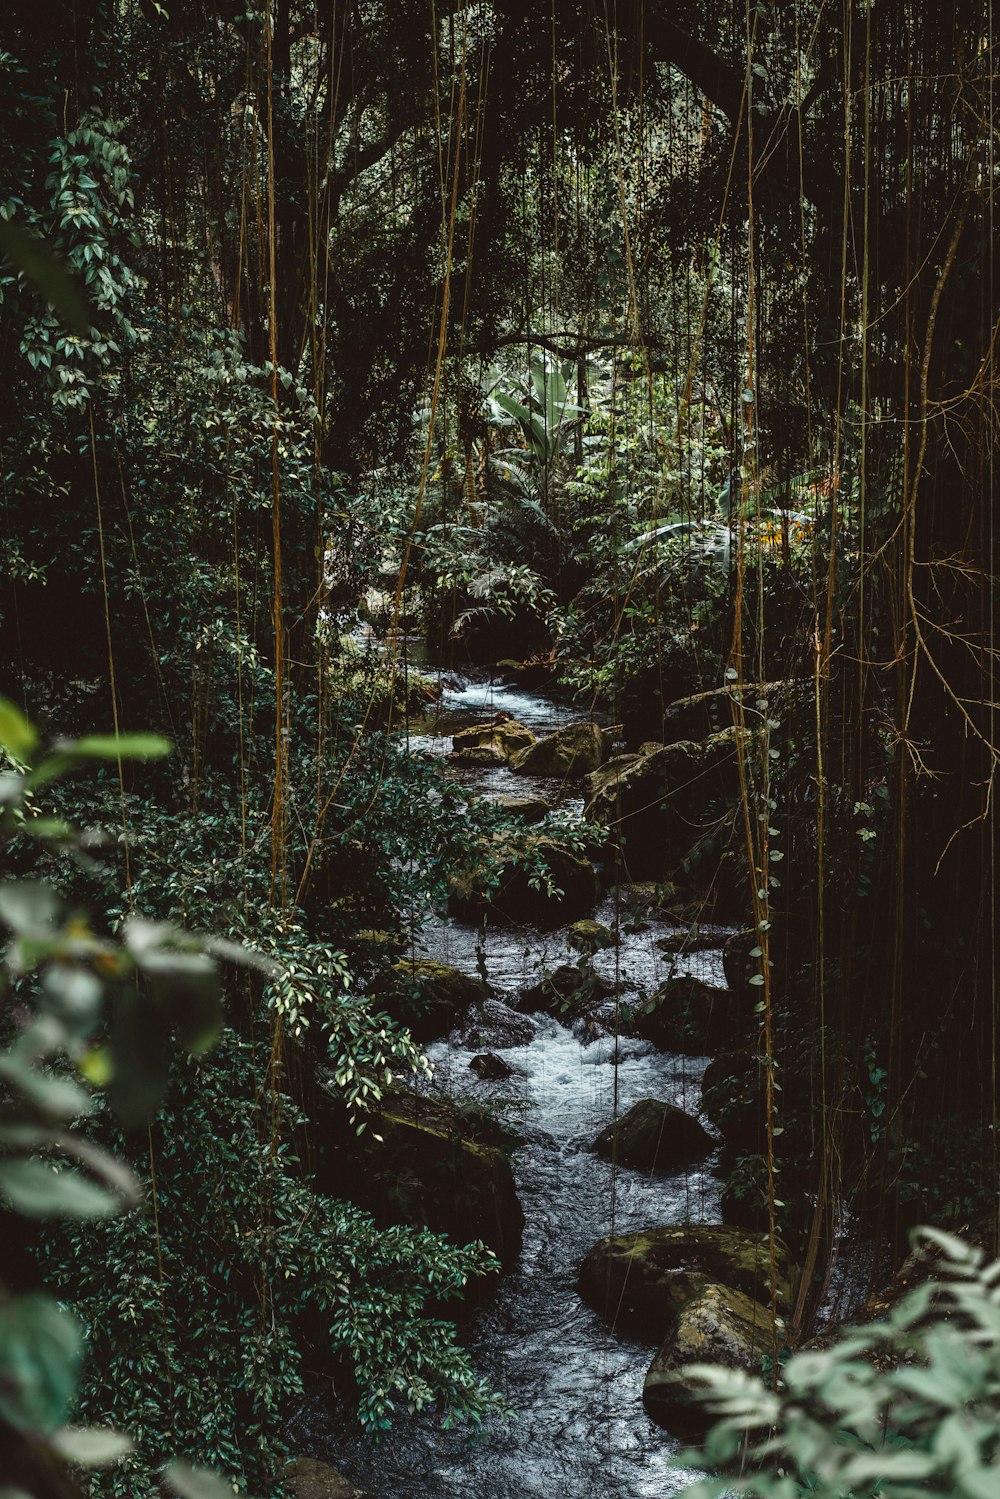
[579,1429]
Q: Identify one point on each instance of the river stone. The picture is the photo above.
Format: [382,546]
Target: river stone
[565,992]
[524,808]
[491,1068]
[307,1478]
[517,901]
[570,753]
[425,1161]
[428,997]
[654,1136]
[505,736]
[653,803]
[496,1024]
[694,1018]
[478,757]
[590,936]
[718,1326]
[698,937]
[632,1279]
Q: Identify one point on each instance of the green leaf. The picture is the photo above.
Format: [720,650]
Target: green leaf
[92,1446]
[118,747]
[39,1190]
[40,1351]
[47,274]
[17,736]
[28,907]
[50,1092]
[196,1483]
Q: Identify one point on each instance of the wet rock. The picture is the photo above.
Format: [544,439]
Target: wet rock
[516,900]
[429,997]
[495,1024]
[525,808]
[491,1068]
[737,963]
[654,1136]
[694,1018]
[566,992]
[307,1478]
[503,735]
[695,938]
[477,757]
[732,1096]
[654,802]
[569,754]
[639,1281]
[436,1165]
[718,1326]
[590,936]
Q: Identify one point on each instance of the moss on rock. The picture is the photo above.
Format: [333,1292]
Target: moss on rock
[631,1279]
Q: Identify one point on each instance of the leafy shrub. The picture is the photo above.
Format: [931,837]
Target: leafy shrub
[907,1407]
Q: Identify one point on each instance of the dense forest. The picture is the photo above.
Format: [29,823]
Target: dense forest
[499,742]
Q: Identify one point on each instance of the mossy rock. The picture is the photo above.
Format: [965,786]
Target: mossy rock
[516,900]
[437,1165]
[588,936]
[631,1279]
[654,1136]
[308,1478]
[566,992]
[653,802]
[689,1016]
[504,736]
[527,809]
[428,997]
[571,753]
[717,1326]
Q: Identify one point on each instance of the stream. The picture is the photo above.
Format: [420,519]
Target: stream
[580,1428]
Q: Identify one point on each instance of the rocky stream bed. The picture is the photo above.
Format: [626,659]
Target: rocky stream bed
[622,1245]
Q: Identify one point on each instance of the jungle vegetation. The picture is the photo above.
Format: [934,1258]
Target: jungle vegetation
[654,345]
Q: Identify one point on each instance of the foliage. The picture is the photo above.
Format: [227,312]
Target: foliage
[908,1405]
[104,1010]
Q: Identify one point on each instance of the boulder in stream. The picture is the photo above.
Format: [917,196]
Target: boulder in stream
[566,992]
[308,1478]
[428,997]
[525,808]
[654,1136]
[425,1161]
[491,1068]
[495,1024]
[638,1282]
[517,900]
[569,754]
[655,802]
[694,1018]
[503,736]
[717,1326]
[588,936]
